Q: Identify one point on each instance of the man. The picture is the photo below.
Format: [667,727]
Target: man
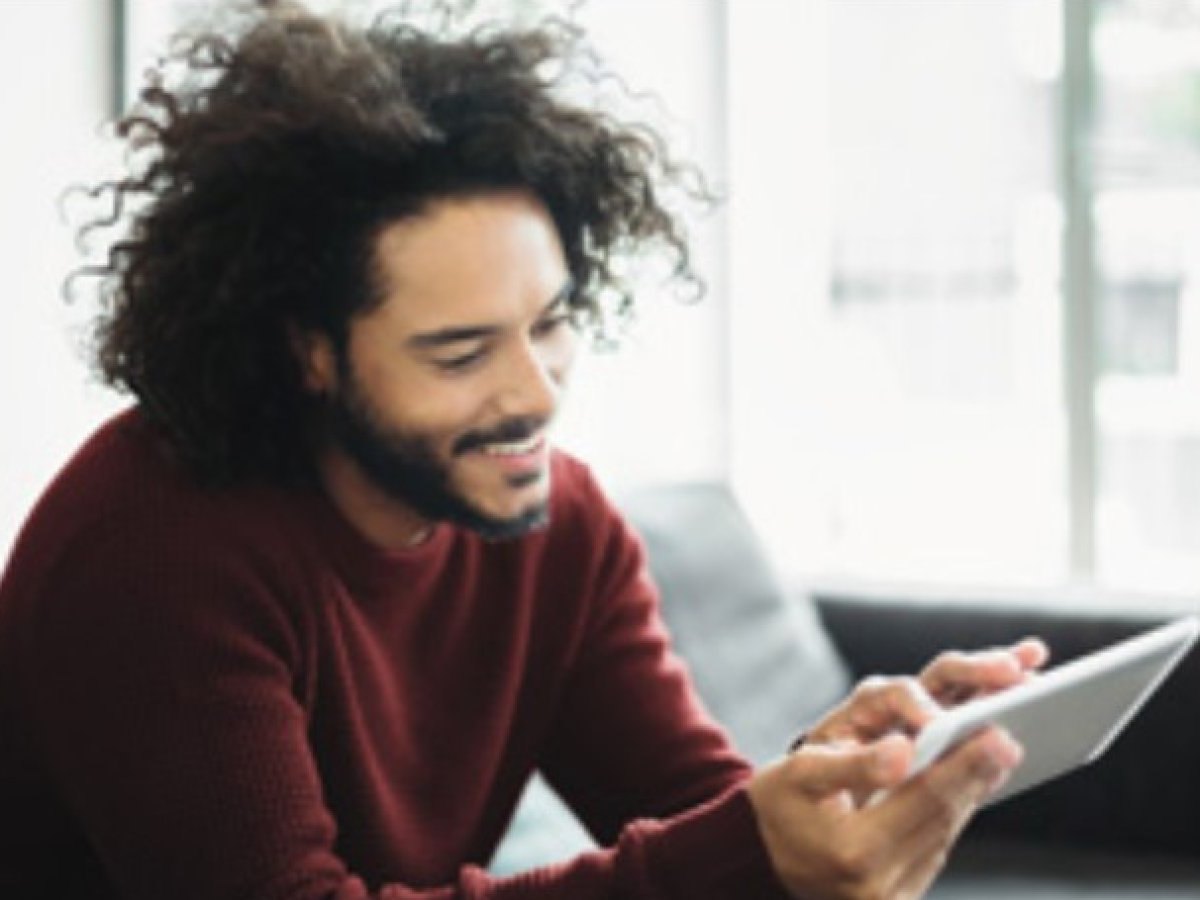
[302,622]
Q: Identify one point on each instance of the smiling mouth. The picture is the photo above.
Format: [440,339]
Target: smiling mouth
[529,445]
[521,462]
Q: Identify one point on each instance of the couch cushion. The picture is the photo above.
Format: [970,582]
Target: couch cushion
[759,655]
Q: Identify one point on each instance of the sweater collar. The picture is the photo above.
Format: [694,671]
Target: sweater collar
[368,564]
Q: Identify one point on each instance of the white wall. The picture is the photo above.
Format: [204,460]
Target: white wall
[54,89]
[656,410]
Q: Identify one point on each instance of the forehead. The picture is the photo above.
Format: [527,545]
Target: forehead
[485,258]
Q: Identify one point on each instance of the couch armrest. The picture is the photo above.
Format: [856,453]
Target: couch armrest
[1144,793]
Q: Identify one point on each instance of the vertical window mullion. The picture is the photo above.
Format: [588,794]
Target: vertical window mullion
[1079,284]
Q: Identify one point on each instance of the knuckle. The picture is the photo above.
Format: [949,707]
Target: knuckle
[909,687]
[871,686]
[949,660]
[796,770]
[904,693]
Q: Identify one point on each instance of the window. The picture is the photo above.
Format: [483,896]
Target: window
[982,314]
[1146,201]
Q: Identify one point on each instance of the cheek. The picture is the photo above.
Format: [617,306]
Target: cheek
[444,413]
[412,401]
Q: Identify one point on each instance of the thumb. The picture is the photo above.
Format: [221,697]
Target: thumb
[825,769]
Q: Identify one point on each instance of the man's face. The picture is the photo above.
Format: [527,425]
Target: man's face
[443,394]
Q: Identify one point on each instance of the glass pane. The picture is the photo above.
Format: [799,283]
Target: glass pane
[1147,213]
[941,324]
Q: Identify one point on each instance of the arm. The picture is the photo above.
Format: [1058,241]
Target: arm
[630,737]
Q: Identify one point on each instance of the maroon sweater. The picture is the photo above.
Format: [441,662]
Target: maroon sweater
[231,695]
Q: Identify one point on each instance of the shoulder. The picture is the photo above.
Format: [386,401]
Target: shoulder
[122,472]
[124,478]
[123,527]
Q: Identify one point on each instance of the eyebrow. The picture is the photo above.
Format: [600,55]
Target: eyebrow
[453,335]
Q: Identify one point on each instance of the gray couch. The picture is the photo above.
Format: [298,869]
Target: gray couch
[767,661]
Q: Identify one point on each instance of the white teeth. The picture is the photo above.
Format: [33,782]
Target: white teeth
[512,449]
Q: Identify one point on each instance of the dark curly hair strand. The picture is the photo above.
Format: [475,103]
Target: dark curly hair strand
[268,172]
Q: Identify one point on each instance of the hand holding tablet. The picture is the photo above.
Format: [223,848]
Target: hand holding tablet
[1068,716]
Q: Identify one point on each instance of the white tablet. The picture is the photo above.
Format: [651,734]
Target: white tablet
[1065,717]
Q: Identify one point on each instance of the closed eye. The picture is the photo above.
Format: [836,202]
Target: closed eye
[461,362]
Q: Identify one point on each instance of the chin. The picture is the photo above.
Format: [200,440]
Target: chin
[498,528]
[523,509]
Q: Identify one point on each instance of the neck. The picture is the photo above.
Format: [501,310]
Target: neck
[380,518]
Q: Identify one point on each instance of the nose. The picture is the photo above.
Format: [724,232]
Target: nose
[532,382]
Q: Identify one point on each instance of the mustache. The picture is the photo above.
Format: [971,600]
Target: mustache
[515,429]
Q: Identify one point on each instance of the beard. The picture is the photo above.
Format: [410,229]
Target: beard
[405,465]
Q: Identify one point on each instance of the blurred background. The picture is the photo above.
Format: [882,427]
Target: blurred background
[952,328]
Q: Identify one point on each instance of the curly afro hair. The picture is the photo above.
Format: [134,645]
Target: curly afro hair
[268,170]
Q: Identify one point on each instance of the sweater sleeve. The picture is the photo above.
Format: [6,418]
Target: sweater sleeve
[632,739]
[167,715]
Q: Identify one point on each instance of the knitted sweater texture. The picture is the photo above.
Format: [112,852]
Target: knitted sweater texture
[231,695]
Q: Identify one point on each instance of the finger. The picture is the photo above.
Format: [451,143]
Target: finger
[1032,653]
[974,770]
[954,672]
[881,705]
[955,676]
[924,853]
[951,788]
[923,817]
[927,848]
[822,770]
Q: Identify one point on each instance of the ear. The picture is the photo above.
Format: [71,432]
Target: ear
[315,354]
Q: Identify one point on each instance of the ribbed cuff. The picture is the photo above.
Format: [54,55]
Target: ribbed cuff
[713,852]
